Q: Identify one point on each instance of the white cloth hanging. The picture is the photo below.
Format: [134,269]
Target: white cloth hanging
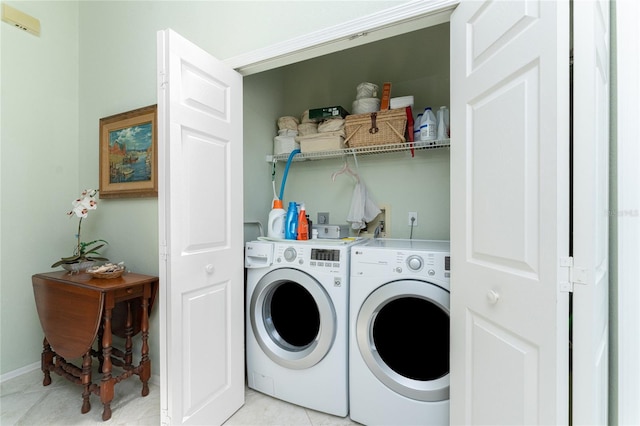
[363,208]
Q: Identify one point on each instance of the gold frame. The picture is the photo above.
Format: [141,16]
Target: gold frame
[115,162]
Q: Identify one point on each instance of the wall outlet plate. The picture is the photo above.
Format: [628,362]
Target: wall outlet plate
[413,215]
[323,218]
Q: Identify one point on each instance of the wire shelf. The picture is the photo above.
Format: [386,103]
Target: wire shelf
[363,150]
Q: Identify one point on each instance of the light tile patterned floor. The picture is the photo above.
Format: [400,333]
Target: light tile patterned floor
[24,401]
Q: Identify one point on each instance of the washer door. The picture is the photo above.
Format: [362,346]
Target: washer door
[293,318]
[402,331]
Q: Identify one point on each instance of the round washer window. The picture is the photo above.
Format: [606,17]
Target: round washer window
[292,315]
[293,318]
[402,332]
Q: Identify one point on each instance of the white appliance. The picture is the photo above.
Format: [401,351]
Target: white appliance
[297,302]
[399,332]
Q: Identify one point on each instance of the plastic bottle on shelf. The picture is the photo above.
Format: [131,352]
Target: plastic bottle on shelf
[443,123]
[428,126]
[277,216]
[416,127]
[291,223]
[303,225]
[310,225]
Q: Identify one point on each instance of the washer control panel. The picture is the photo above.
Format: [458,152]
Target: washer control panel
[317,258]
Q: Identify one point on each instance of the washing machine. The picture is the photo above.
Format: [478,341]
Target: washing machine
[297,302]
[399,332]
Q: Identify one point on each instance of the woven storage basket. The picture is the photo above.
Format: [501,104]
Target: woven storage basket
[376,128]
[107,275]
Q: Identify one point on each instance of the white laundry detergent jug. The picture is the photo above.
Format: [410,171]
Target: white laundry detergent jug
[277,215]
[428,126]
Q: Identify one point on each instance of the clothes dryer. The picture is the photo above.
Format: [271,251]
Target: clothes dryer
[297,302]
[399,332]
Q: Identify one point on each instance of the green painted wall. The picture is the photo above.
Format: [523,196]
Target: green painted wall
[39,175]
[92,60]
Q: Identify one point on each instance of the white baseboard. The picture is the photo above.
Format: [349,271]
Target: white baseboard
[19,372]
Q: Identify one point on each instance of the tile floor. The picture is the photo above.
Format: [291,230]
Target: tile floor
[24,401]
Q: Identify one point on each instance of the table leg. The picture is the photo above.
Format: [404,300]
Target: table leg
[106,385]
[86,382]
[99,355]
[128,331]
[145,374]
[46,361]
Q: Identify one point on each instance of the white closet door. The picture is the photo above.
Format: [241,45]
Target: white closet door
[201,244]
[590,211]
[509,212]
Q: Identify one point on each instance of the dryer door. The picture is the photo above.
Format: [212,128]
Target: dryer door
[293,318]
[402,332]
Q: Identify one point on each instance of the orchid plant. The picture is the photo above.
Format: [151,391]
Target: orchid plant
[84,251]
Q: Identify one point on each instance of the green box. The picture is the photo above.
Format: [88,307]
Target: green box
[327,112]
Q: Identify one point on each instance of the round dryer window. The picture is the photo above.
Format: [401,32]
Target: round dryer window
[293,318]
[402,332]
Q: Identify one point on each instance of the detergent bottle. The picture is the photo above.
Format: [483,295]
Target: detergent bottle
[303,224]
[277,215]
[428,126]
[443,123]
[291,222]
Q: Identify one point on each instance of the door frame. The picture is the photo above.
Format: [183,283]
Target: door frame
[407,17]
[398,20]
[625,119]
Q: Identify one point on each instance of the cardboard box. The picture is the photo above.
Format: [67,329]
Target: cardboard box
[328,141]
[327,112]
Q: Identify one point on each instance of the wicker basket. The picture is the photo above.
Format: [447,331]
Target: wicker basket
[376,128]
[113,272]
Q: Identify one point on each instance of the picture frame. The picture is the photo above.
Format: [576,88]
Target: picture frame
[129,154]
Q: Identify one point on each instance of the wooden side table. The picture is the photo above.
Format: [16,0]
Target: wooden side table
[75,310]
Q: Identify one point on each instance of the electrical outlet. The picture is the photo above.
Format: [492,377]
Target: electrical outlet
[414,216]
[323,218]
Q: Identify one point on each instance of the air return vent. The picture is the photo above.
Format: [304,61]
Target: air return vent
[20,20]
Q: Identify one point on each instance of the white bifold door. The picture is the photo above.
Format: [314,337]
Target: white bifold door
[201,243]
[528,219]
[513,187]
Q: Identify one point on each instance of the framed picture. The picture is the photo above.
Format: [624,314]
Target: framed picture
[129,154]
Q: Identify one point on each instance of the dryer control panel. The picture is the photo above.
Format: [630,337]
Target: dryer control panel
[400,263]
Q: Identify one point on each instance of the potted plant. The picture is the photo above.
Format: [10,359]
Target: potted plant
[85,254]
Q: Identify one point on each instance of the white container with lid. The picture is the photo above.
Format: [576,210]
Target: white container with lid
[401,102]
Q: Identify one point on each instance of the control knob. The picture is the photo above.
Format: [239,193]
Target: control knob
[290,254]
[414,263]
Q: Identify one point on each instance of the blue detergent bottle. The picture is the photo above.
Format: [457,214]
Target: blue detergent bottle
[291,222]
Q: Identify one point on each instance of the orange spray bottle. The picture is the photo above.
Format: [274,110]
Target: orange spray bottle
[303,225]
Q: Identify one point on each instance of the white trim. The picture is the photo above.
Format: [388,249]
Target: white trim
[19,372]
[404,18]
[628,124]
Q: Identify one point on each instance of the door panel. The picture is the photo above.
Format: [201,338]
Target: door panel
[509,212]
[200,161]
[591,211]
[504,221]
[515,355]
